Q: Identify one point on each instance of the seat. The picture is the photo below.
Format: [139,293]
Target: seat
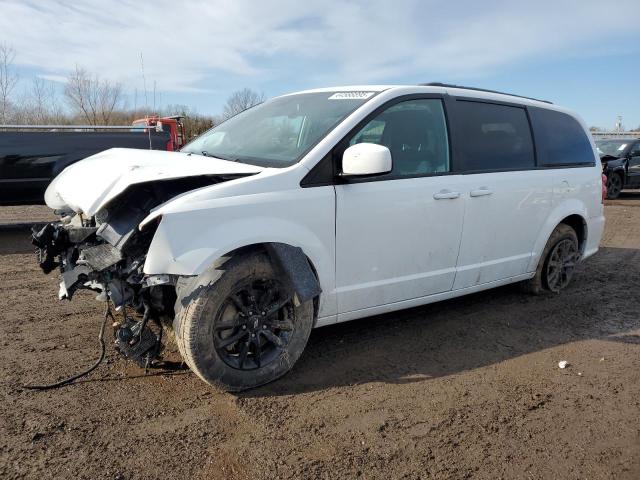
[407,135]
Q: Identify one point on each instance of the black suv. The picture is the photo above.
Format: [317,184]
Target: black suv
[620,163]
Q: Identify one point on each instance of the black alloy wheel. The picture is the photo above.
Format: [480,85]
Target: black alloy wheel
[561,264]
[254,324]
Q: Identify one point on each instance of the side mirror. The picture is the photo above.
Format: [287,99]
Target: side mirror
[366,159]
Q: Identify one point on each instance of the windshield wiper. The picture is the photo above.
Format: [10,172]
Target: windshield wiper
[222,157]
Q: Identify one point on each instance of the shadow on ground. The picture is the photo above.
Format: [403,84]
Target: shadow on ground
[470,332]
[15,242]
[461,334]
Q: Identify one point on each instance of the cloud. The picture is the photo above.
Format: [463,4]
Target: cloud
[194,46]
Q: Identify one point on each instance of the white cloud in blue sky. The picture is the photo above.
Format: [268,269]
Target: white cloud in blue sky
[202,50]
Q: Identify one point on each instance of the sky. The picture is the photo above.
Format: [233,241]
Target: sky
[581,54]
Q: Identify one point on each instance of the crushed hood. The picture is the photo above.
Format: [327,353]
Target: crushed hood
[88,185]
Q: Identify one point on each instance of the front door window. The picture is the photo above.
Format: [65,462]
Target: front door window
[415,132]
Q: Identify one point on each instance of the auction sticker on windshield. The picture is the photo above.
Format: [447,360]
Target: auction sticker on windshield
[351,95]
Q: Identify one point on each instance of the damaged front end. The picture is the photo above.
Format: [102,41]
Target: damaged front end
[106,253]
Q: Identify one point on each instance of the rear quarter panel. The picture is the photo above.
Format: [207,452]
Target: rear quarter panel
[576,191]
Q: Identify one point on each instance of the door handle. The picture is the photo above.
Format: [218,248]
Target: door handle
[480,192]
[445,195]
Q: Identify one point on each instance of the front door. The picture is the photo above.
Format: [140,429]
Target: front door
[397,235]
[634,165]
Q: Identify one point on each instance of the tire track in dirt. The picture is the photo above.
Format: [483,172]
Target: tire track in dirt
[464,388]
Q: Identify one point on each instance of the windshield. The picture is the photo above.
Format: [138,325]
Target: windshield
[611,147]
[279,132]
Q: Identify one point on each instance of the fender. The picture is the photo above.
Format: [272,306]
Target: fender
[617,166]
[186,242]
[560,212]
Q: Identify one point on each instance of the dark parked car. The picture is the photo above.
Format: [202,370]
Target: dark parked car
[31,156]
[620,163]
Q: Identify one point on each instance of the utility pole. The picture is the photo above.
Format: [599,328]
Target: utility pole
[144,82]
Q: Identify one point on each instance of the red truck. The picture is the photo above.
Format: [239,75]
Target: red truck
[172,124]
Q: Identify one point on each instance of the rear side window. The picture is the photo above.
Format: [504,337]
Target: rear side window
[560,139]
[492,137]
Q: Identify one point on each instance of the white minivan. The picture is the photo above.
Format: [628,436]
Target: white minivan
[320,207]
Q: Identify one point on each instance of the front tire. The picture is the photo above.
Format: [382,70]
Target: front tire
[239,327]
[557,262]
[615,184]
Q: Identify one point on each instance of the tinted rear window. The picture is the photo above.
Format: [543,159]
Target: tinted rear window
[492,137]
[560,139]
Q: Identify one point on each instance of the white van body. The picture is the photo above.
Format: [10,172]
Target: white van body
[377,245]
[320,207]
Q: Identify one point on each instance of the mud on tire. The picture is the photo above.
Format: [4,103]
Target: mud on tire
[237,325]
[540,283]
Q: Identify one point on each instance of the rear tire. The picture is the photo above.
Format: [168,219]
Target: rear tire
[237,325]
[557,262]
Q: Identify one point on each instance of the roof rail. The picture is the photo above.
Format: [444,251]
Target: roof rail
[449,85]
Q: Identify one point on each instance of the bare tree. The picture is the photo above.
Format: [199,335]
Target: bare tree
[194,123]
[92,98]
[240,100]
[41,105]
[8,79]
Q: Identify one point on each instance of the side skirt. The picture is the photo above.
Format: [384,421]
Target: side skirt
[416,302]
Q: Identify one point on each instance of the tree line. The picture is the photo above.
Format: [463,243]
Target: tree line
[88,99]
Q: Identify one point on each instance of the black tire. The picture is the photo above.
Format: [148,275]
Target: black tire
[223,304]
[545,280]
[615,183]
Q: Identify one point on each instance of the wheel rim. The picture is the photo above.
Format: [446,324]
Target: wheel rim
[254,324]
[561,265]
[614,185]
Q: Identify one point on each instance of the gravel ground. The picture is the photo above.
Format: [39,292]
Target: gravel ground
[467,388]
[26,214]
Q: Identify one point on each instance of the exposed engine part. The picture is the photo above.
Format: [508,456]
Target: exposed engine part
[155,280]
[106,253]
[80,234]
[137,342]
[120,292]
[101,256]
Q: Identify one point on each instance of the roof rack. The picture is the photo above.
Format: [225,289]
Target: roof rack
[450,85]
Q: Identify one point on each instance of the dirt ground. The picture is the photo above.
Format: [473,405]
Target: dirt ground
[26,214]
[467,388]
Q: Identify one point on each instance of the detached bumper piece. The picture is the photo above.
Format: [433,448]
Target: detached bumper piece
[69,248]
[50,241]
